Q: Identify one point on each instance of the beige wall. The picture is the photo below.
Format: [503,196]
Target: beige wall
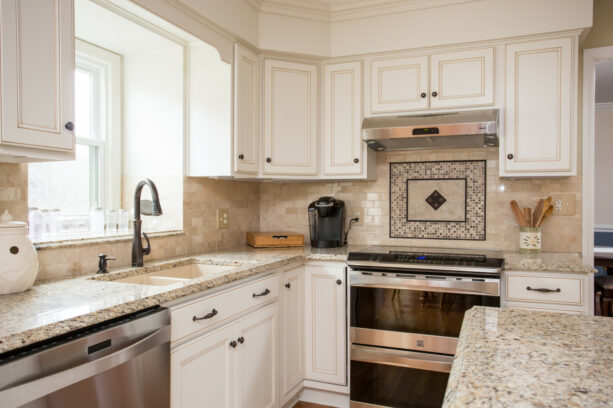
[603,202]
[14,189]
[283,205]
[601,33]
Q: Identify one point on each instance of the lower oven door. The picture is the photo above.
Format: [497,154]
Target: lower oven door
[416,313]
[383,377]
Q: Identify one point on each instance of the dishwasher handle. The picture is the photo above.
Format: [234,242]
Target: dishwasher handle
[23,393]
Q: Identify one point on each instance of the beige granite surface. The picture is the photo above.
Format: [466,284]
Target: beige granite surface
[546,261]
[55,307]
[516,358]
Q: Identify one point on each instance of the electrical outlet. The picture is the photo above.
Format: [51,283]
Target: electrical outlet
[564,204]
[222,218]
[357,212]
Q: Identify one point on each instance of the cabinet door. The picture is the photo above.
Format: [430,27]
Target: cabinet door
[202,372]
[343,119]
[37,74]
[540,118]
[290,118]
[325,324]
[246,111]
[399,84]
[463,78]
[256,381]
[292,339]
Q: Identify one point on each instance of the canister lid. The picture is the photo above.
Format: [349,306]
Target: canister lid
[6,221]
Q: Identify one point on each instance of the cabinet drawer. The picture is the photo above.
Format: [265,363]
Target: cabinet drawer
[544,289]
[221,307]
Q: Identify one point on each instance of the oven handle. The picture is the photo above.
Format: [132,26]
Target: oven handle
[401,358]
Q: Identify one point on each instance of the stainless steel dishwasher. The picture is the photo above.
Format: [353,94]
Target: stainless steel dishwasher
[123,362]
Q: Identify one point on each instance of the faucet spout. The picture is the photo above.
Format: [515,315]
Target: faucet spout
[153,208]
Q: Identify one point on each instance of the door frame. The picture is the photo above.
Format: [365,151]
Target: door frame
[591,56]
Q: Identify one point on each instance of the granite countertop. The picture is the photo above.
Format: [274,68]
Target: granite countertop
[53,308]
[516,358]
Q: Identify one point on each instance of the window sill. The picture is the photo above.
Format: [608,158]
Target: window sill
[81,242]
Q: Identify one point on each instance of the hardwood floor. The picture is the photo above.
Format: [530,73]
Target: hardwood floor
[301,404]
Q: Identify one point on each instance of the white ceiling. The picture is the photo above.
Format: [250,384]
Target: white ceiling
[604,81]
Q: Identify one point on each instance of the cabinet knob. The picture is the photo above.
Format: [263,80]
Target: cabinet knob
[241,156]
[241,339]
[356,160]
[339,282]
[510,156]
[434,94]
[268,160]
[423,95]
[69,126]
[233,344]
[288,285]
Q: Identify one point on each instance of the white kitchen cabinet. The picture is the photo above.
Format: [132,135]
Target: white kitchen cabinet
[460,79]
[246,111]
[292,337]
[325,324]
[290,118]
[203,372]
[343,148]
[399,84]
[540,115]
[37,80]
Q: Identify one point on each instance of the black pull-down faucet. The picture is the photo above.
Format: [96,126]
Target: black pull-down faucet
[145,207]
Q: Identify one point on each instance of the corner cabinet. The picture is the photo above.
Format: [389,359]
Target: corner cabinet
[540,118]
[246,111]
[290,118]
[37,80]
[292,332]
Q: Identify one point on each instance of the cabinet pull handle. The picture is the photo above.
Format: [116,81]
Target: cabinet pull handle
[233,344]
[266,292]
[288,285]
[510,156]
[241,339]
[241,156]
[423,95]
[206,316]
[339,282]
[434,94]
[69,126]
[268,160]
[543,290]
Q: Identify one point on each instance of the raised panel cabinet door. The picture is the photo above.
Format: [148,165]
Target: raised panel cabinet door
[399,84]
[343,119]
[464,78]
[256,363]
[540,118]
[202,372]
[37,74]
[325,325]
[246,111]
[292,338]
[290,118]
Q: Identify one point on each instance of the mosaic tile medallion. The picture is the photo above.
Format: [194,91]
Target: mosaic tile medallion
[438,200]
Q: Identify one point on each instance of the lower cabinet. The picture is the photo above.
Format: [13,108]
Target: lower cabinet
[325,324]
[292,337]
[233,366]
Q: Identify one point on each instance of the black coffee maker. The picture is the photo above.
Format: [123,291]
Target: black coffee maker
[327,222]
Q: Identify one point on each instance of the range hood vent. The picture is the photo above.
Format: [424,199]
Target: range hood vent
[478,128]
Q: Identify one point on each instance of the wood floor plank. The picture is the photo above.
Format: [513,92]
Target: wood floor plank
[302,404]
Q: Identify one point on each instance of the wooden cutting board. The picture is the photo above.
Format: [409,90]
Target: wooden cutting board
[274,239]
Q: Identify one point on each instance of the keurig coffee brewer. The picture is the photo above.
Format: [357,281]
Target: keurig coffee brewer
[327,222]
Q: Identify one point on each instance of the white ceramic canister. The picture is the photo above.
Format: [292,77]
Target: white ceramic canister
[18,258]
[529,240]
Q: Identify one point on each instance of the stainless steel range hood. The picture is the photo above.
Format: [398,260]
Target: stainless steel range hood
[477,128]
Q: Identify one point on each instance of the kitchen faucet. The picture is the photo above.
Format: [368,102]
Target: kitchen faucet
[145,207]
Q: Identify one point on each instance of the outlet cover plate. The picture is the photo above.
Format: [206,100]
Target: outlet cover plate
[564,204]
[222,218]
[359,213]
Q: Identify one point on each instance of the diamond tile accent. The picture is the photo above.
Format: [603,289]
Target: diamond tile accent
[435,200]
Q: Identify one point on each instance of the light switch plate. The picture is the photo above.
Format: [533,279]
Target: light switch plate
[564,204]
[222,218]
[357,212]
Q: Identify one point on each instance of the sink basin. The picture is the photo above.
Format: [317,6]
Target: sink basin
[175,275]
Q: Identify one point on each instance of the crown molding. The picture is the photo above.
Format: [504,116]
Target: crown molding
[341,10]
[602,106]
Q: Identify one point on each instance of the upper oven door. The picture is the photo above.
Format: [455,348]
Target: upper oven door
[419,313]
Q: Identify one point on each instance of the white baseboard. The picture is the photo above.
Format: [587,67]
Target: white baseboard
[603,228]
[322,397]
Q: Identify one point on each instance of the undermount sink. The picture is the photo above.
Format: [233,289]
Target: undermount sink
[175,275]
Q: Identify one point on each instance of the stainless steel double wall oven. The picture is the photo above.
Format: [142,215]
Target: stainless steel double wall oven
[407,308]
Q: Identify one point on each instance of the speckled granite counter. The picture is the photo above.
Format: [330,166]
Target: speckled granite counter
[53,308]
[513,358]
[546,261]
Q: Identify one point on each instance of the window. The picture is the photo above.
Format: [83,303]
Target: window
[92,180]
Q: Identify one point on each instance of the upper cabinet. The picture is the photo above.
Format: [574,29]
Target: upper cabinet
[343,146]
[37,80]
[540,120]
[290,118]
[452,80]
[246,111]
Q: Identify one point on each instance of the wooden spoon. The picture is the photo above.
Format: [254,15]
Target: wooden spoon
[527,214]
[546,214]
[517,212]
[537,212]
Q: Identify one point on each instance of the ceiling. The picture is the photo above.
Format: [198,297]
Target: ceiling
[604,81]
